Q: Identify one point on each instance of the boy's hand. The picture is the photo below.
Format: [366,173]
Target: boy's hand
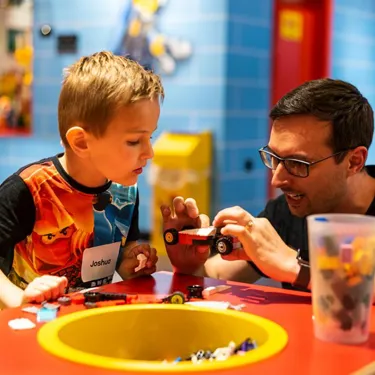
[45,288]
[184,258]
[129,262]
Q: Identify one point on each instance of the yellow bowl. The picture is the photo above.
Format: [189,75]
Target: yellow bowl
[140,337]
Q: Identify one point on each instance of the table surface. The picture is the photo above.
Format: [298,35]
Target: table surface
[21,354]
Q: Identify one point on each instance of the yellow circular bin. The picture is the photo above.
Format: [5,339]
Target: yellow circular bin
[140,337]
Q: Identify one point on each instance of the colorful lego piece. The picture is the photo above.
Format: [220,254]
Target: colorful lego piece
[46,315]
[64,301]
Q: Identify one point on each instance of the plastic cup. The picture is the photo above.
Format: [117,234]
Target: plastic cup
[342,260]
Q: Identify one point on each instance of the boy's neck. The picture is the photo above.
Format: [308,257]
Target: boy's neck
[80,170]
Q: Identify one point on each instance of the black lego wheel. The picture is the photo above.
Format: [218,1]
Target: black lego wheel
[171,236]
[224,245]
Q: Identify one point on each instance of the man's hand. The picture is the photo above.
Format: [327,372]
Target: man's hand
[129,261]
[261,243]
[184,258]
[45,288]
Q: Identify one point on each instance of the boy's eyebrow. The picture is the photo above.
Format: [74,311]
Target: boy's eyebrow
[140,131]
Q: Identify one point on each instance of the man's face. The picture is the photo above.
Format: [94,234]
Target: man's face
[306,138]
[123,151]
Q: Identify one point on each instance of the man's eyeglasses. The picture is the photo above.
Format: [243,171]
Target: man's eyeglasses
[295,167]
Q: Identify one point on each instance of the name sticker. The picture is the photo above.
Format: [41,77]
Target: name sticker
[99,262]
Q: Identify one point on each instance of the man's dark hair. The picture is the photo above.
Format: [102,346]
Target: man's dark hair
[335,101]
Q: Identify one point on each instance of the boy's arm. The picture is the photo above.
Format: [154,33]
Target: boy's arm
[17,217]
[10,295]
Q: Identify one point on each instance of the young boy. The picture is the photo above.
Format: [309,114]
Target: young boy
[63,219]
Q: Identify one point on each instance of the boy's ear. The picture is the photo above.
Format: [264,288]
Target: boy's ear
[77,139]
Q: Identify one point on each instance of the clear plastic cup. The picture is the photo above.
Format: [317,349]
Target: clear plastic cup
[342,260]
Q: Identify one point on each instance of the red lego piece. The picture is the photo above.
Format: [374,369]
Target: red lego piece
[78,299]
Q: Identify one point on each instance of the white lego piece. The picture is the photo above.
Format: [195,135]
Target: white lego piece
[86,290]
[214,289]
[237,307]
[205,231]
[21,323]
[31,309]
[142,262]
[221,305]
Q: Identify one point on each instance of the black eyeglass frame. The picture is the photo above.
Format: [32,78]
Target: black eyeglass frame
[283,160]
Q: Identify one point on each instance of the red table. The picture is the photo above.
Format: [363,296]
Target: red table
[20,353]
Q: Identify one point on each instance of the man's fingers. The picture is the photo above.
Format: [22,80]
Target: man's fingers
[235,230]
[235,214]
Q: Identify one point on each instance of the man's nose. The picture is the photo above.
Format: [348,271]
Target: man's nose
[280,177]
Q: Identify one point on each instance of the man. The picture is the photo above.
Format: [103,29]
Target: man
[317,150]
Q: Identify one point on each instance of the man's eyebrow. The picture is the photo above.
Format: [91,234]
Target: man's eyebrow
[290,156]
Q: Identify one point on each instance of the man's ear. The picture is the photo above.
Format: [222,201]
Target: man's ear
[77,138]
[357,159]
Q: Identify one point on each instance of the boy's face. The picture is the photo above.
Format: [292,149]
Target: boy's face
[123,151]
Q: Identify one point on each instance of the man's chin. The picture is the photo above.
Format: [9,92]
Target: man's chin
[297,211]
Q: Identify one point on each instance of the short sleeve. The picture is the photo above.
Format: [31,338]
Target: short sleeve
[17,217]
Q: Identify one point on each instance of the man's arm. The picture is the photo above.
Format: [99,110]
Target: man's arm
[237,270]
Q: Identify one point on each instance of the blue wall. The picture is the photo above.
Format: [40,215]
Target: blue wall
[247,104]
[223,87]
[353,47]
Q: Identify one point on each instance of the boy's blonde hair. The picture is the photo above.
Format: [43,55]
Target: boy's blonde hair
[96,86]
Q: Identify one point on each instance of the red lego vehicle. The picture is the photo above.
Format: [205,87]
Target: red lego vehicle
[210,236]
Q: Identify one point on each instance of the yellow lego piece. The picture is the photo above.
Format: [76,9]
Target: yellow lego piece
[328,263]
